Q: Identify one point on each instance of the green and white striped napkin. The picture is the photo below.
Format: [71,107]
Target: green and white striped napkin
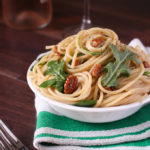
[55,132]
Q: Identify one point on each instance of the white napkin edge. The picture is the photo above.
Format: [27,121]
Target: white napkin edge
[148,49]
[42,105]
[136,42]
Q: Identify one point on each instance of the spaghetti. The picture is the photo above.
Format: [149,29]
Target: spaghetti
[98,65]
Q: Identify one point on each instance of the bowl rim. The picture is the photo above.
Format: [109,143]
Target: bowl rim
[76,108]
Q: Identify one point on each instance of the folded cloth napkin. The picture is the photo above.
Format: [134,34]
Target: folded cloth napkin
[56,132]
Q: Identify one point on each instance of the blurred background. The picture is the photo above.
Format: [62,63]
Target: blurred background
[128,18]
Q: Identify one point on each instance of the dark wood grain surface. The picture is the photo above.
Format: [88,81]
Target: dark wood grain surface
[19,48]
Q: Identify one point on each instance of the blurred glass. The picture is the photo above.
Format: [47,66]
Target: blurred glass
[86,21]
[27,14]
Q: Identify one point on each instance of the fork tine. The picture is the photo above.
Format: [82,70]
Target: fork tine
[13,143]
[4,137]
[8,131]
[2,146]
[7,142]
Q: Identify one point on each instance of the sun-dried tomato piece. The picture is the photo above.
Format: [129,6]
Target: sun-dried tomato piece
[55,50]
[71,84]
[78,62]
[146,64]
[96,70]
[110,88]
[96,42]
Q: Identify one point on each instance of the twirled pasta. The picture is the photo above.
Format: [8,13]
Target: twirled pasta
[81,53]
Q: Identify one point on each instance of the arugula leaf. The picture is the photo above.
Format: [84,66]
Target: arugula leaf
[48,83]
[85,103]
[119,67]
[31,69]
[43,63]
[59,85]
[80,54]
[56,68]
[146,73]
[39,58]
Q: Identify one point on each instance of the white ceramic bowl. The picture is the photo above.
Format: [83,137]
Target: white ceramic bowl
[94,115]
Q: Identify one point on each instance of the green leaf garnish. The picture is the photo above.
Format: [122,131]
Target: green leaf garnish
[146,73]
[80,54]
[119,67]
[42,63]
[47,83]
[85,103]
[39,58]
[31,69]
[56,68]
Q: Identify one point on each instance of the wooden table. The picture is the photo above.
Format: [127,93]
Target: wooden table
[19,48]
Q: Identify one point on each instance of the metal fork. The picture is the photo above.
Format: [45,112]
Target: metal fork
[9,140]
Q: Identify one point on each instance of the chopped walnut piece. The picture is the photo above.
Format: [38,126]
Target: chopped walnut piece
[71,84]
